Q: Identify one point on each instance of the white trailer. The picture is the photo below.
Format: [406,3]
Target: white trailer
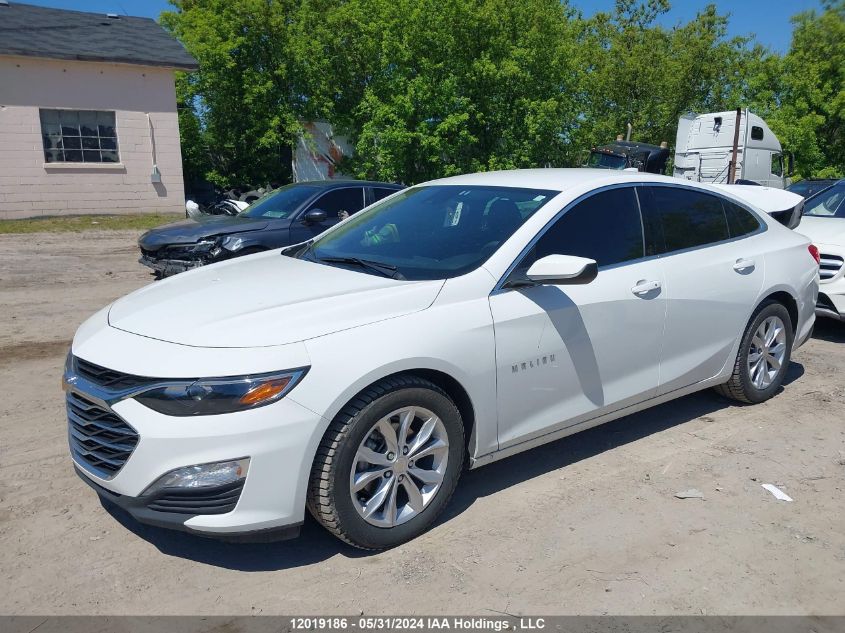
[726,147]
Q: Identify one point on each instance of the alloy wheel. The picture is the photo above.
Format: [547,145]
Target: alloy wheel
[399,466]
[767,352]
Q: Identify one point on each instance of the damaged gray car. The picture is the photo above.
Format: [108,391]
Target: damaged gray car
[289,215]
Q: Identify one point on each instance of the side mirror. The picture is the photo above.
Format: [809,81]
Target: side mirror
[563,269]
[790,165]
[315,216]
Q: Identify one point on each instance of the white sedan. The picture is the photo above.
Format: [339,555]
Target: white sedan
[824,223]
[456,322]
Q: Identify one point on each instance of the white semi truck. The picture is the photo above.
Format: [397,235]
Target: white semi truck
[730,147]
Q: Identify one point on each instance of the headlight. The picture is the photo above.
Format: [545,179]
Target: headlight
[232,242]
[210,396]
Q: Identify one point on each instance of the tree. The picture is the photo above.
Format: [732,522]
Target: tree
[241,108]
[429,88]
[641,73]
[802,94]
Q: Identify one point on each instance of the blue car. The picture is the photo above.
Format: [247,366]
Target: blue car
[289,215]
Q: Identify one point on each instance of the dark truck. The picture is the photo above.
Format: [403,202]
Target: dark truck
[630,155]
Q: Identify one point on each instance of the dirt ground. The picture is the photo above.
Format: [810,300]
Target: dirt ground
[586,525]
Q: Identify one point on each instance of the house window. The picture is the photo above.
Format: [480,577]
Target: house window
[79,136]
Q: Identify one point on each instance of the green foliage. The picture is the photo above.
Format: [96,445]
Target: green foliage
[805,105]
[430,88]
[247,96]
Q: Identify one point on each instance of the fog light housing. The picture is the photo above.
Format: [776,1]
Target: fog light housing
[199,476]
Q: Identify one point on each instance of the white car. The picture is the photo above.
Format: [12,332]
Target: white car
[459,321]
[824,223]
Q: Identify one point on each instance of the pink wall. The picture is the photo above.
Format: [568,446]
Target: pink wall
[141,96]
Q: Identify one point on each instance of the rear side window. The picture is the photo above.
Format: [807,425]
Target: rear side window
[756,133]
[740,221]
[687,218]
[605,227]
[379,193]
[350,199]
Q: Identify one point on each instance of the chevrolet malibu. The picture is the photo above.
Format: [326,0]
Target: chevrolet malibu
[453,323]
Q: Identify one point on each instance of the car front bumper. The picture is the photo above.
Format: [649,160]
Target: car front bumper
[269,502]
[167,267]
[831,301]
[279,439]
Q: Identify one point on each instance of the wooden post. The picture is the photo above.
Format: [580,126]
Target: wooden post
[732,172]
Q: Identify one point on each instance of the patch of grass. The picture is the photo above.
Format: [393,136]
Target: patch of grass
[77,223]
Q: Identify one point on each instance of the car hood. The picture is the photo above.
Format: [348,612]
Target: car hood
[193,230]
[263,300]
[823,230]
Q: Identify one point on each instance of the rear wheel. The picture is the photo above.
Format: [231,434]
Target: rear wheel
[388,463]
[763,357]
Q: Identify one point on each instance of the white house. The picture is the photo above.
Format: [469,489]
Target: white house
[88,118]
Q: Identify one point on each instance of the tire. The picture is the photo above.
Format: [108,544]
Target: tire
[751,385]
[357,431]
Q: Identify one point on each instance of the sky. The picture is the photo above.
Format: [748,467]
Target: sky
[767,19]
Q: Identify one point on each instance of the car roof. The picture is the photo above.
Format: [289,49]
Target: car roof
[557,179]
[329,184]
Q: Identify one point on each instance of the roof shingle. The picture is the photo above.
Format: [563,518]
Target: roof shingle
[31,31]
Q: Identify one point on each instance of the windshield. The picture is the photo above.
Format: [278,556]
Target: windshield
[807,188]
[829,203]
[433,232]
[280,203]
[606,161]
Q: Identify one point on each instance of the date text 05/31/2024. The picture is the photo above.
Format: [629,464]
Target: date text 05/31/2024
[398,623]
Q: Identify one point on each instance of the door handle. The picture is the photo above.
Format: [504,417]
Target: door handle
[743,264]
[644,287]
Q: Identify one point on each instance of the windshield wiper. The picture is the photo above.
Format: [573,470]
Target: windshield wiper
[386,270]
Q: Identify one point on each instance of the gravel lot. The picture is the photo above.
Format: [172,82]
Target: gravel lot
[589,524]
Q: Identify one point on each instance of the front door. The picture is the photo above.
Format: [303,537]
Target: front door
[566,353]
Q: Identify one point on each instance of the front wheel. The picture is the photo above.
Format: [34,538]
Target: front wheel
[763,357]
[388,464]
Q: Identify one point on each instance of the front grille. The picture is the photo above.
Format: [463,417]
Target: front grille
[98,437]
[216,500]
[829,266]
[108,378]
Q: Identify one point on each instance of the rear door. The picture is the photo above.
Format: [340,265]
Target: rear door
[334,202]
[565,353]
[713,267]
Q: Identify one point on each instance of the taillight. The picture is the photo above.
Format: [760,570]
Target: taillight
[814,251]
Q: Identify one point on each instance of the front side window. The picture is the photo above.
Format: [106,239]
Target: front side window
[79,136]
[431,232]
[686,218]
[279,204]
[350,199]
[605,227]
[829,203]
